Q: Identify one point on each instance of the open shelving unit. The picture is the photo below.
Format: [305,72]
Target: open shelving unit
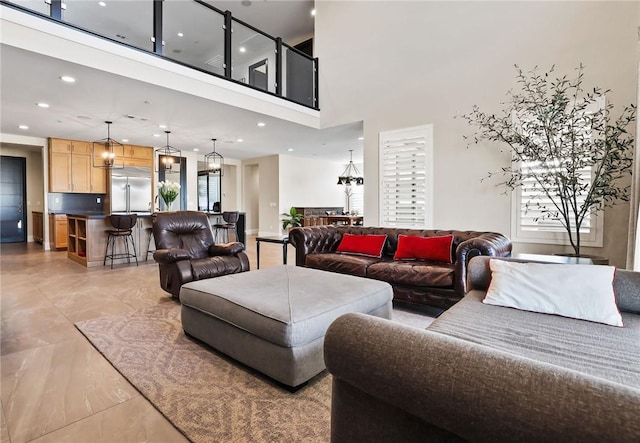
[77,245]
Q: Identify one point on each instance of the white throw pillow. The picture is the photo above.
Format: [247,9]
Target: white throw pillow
[578,291]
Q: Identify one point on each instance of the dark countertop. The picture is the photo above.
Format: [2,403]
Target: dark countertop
[102,215]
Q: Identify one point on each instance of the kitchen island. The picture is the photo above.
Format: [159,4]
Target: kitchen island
[87,237]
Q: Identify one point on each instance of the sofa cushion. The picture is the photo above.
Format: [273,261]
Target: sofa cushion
[411,247]
[592,348]
[368,245]
[584,292]
[343,263]
[215,266]
[415,273]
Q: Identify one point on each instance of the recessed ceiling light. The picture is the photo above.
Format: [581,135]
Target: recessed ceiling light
[162,126]
[262,124]
[156,135]
[196,149]
[102,3]
[124,140]
[243,49]
[180,34]
[240,140]
[67,79]
[290,149]
[360,138]
[23,127]
[43,105]
[313,12]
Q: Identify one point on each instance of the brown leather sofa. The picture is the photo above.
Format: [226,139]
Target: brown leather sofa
[435,284]
[185,250]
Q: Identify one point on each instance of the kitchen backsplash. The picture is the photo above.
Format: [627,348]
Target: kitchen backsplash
[60,202]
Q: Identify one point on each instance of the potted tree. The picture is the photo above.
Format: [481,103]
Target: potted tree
[556,130]
[291,219]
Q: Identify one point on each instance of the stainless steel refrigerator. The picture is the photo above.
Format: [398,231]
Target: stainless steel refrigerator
[131,189]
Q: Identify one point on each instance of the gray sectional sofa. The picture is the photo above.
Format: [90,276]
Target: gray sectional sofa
[488,373]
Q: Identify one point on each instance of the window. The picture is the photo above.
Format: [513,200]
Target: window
[209,191]
[406,177]
[528,223]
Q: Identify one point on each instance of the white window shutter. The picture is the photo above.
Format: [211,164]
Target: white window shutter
[406,177]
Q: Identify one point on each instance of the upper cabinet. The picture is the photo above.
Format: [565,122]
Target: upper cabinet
[133,155]
[71,168]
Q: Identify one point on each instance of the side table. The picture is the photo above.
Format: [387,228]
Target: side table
[284,241]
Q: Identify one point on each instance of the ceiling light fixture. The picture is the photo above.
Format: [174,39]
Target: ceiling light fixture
[25,127]
[360,138]
[214,161]
[43,105]
[102,4]
[240,140]
[67,79]
[313,12]
[156,135]
[351,174]
[262,124]
[243,49]
[162,126]
[168,155]
[180,34]
[125,140]
[290,149]
[196,149]
[105,151]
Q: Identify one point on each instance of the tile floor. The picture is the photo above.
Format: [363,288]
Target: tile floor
[54,386]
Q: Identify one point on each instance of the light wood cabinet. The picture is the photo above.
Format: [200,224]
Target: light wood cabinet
[37,227]
[98,180]
[58,231]
[139,152]
[69,166]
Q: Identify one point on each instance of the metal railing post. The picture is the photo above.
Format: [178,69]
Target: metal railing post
[228,30]
[157,27]
[279,67]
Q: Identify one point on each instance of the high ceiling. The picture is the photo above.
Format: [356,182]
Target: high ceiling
[137,109]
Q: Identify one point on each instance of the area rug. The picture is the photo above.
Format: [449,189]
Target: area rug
[205,395]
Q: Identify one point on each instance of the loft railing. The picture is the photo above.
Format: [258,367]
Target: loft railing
[194,34]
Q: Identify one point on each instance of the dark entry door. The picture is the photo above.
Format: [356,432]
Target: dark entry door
[13,221]
[258,74]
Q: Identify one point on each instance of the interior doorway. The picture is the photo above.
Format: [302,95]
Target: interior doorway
[13,220]
[251,187]
[258,74]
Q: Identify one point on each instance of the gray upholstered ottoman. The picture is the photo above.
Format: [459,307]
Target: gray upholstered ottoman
[274,320]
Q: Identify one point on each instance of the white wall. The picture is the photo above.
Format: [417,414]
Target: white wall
[268,201]
[414,63]
[251,191]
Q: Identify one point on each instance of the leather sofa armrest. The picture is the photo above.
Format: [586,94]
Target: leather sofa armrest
[166,256]
[489,243]
[232,248]
[313,240]
[468,390]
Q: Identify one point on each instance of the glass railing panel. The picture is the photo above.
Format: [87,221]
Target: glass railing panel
[194,35]
[35,5]
[298,77]
[253,58]
[126,22]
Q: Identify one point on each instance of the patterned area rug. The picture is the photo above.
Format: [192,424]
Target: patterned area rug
[207,396]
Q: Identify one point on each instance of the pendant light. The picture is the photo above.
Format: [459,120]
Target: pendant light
[107,153]
[168,155]
[214,161]
[351,174]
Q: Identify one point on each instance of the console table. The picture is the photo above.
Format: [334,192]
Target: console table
[284,241]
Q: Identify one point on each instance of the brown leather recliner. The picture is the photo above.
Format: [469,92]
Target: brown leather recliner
[185,250]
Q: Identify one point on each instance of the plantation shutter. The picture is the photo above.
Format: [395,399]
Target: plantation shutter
[531,194]
[406,178]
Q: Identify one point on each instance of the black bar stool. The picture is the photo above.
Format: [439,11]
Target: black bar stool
[123,224]
[230,224]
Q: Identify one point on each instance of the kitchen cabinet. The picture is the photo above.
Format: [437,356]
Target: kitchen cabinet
[69,166]
[37,226]
[58,231]
[98,180]
[133,155]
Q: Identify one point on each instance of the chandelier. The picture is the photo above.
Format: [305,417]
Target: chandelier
[104,152]
[168,155]
[351,174]
[214,161]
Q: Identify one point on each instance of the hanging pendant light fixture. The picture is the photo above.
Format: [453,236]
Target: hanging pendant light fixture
[351,174]
[214,161]
[168,155]
[107,153]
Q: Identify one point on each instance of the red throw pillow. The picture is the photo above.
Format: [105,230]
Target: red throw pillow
[411,247]
[369,245]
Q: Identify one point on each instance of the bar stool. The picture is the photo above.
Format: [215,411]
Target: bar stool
[230,224]
[149,232]
[123,224]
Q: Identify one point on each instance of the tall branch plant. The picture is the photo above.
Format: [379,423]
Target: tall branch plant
[556,130]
